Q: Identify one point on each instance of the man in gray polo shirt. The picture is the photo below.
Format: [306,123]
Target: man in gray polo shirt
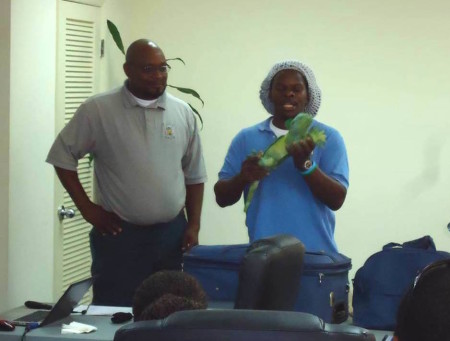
[149,167]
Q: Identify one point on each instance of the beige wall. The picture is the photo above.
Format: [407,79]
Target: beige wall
[5,30]
[27,211]
[383,69]
[32,130]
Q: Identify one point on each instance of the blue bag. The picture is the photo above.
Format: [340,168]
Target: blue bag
[216,267]
[383,280]
[323,288]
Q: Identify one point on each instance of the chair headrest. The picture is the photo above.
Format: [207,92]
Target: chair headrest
[240,325]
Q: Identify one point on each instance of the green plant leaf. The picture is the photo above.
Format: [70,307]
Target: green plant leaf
[197,113]
[116,35]
[181,60]
[90,159]
[188,91]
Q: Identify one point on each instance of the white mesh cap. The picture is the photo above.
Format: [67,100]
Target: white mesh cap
[315,95]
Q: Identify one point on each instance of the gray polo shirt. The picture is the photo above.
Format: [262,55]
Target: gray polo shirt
[143,157]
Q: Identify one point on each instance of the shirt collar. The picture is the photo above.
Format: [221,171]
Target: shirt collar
[265,125]
[129,101]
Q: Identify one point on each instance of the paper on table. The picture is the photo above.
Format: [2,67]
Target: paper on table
[107,310]
[77,328]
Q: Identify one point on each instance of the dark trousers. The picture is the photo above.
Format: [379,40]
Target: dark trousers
[120,263]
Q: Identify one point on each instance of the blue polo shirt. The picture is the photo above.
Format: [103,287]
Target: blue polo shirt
[283,202]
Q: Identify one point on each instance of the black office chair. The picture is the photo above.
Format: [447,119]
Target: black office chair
[240,325]
[269,275]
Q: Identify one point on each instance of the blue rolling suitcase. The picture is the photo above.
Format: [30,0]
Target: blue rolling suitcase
[216,267]
[324,284]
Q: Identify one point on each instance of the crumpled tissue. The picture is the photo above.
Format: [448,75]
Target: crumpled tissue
[77,328]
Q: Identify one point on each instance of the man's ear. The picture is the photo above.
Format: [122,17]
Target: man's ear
[126,69]
[396,338]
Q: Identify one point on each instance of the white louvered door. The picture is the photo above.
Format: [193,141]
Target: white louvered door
[77,78]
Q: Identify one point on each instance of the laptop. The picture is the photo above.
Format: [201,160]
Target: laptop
[63,308]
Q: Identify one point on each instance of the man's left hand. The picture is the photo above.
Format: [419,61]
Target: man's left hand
[301,151]
[190,238]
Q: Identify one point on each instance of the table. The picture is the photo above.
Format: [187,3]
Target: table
[105,329]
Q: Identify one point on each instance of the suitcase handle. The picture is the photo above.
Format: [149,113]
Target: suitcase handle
[321,253]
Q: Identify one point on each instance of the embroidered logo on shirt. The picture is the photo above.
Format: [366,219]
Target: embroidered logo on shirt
[169,132]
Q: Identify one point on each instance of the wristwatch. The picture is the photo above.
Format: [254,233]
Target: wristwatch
[308,167]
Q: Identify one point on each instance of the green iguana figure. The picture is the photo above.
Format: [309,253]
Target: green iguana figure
[276,153]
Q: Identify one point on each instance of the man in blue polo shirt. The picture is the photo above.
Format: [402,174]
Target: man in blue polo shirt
[300,196]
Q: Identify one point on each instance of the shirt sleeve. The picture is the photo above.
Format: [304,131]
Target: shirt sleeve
[334,160]
[235,157]
[73,142]
[193,163]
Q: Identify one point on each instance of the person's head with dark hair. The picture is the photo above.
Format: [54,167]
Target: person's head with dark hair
[165,292]
[168,304]
[424,312]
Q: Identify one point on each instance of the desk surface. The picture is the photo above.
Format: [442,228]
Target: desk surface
[105,329]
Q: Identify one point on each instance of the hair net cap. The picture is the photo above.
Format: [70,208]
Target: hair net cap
[315,95]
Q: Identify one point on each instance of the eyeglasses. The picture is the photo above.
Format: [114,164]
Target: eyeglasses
[152,70]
